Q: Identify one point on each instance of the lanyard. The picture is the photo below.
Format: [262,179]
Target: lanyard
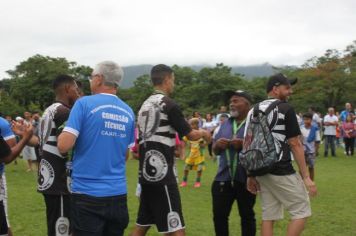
[231,163]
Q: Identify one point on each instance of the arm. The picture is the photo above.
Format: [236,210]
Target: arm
[298,153]
[66,142]
[26,134]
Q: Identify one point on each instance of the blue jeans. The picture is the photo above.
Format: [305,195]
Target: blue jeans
[329,140]
[99,216]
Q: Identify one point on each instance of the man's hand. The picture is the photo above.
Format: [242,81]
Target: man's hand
[252,185]
[222,143]
[311,187]
[25,131]
[236,143]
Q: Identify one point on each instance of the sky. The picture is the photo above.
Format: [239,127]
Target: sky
[183,32]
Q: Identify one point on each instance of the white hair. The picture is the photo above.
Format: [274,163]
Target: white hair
[111,71]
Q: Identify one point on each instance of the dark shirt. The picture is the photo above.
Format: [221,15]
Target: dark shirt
[223,174]
[284,125]
[5,149]
[158,121]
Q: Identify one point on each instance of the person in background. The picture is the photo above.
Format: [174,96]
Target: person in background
[330,123]
[310,135]
[209,126]
[349,133]
[29,153]
[197,115]
[348,110]
[196,158]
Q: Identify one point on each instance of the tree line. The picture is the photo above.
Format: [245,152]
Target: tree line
[325,81]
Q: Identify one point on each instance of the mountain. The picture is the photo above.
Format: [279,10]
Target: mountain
[249,72]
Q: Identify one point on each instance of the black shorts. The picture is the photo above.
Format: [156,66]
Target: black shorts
[53,211]
[160,205]
[3,223]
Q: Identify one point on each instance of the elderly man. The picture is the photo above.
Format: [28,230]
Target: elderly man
[101,129]
[230,181]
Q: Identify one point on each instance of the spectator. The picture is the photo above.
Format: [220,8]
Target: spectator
[330,123]
[348,110]
[230,181]
[349,133]
[209,126]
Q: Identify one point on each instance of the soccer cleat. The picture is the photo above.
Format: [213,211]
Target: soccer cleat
[183,184]
[197,185]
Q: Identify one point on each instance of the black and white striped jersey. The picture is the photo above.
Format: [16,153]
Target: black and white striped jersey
[52,170]
[158,121]
[284,125]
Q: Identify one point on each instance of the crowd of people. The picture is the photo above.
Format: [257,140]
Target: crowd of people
[81,144]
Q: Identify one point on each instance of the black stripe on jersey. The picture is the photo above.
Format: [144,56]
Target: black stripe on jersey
[166,134]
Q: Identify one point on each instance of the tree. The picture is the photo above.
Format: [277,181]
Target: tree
[31,80]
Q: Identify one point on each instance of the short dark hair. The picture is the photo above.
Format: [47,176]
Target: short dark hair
[308,115]
[159,72]
[62,79]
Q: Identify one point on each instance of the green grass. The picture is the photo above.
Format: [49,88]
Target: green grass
[334,209]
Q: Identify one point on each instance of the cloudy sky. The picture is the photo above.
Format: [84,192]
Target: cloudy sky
[184,32]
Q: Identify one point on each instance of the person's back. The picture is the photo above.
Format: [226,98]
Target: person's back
[101,130]
[100,151]
[158,121]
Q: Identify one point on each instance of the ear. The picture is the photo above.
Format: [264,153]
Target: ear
[100,81]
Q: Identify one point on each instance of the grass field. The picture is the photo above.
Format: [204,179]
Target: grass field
[334,209]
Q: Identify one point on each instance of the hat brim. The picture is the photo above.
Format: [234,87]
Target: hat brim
[228,94]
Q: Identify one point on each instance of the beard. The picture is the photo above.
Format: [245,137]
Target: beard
[234,113]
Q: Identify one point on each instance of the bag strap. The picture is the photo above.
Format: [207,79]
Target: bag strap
[274,104]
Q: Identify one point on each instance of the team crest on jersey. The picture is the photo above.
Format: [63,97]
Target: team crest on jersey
[149,119]
[46,175]
[155,166]
[174,222]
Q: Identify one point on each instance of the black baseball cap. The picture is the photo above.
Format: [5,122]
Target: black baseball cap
[279,79]
[239,93]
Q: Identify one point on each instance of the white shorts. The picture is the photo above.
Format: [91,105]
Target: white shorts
[283,192]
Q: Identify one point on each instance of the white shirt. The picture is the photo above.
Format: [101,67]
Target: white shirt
[330,129]
[309,147]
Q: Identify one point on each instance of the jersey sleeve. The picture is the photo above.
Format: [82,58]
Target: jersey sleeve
[75,120]
[178,122]
[6,131]
[292,126]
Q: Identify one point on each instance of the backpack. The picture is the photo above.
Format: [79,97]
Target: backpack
[259,153]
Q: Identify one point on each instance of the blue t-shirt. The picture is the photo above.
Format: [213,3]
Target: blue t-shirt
[104,126]
[7,134]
